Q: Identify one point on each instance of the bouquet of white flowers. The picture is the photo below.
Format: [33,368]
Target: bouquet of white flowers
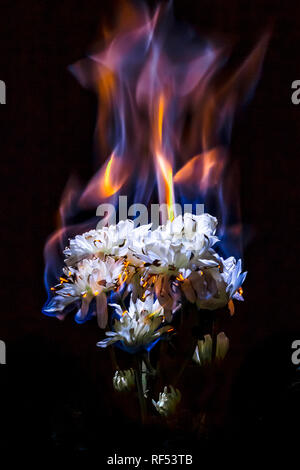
[138,281]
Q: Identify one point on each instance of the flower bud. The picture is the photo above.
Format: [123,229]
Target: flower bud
[123,380]
[168,401]
[203,351]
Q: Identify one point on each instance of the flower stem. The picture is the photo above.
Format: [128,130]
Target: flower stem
[214,332]
[113,358]
[139,385]
[187,360]
[191,320]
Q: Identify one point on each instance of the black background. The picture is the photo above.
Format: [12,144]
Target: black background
[56,394]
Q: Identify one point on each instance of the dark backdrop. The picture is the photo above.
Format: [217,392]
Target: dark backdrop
[56,394]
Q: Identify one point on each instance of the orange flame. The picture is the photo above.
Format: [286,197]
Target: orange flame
[106,182]
[167,173]
[106,84]
[109,187]
[204,170]
[161,105]
[163,166]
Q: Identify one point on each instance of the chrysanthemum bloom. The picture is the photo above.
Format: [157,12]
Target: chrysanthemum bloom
[112,240]
[203,351]
[92,278]
[124,380]
[214,287]
[179,245]
[187,227]
[168,401]
[182,250]
[138,328]
[162,260]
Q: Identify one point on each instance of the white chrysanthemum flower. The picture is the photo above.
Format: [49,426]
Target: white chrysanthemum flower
[214,287]
[138,327]
[182,244]
[91,279]
[179,244]
[123,380]
[168,401]
[80,247]
[203,351]
[165,258]
[113,240]
[188,226]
